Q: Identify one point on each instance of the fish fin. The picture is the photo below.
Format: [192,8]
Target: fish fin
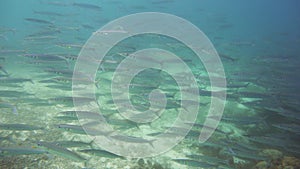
[15,110]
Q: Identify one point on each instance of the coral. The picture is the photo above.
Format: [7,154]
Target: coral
[279,163]
[271,154]
[261,165]
[290,163]
[148,164]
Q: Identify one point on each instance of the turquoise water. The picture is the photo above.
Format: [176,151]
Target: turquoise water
[258,44]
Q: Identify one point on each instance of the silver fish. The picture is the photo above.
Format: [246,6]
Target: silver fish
[60,151]
[20,127]
[12,151]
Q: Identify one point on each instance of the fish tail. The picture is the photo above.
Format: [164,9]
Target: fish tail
[10,139]
[137,126]
[3,70]
[264,123]
[228,134]
[247,84]
[151,142]
[91,143]
[96,84]
[157,113]
[67,62]
[4,37]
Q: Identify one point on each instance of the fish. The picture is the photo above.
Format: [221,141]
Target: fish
[212,144]
[58,3]
[40,38]
[43,63]
[8,138]
[243,120]
[71,57]
[132,139]
[12,151]
[45,33]
[69,45]
[2,59]
[47,57]
[68,80]
[123,123]
[60,87]
[4,75]
[209,159]
[100,153]
[294,151]
[294,128]
[269,141]
[83,114]
[82,129]
[162,1]
[242,85]
[245,94]
[241,43]
[241,146]
[60,151]
[66,118]
[72,128]
[71,113]
[8,105]
[46,81]
[4,30]
[87,6]
[194,163]
[35,102]
[73,143]
[87,26]
[11,52]
[3,70]
[10,93]
[165,134]
[246,155]
[3,37]
[48,13]
[289,114]
[227,57]
[63,72]
[198,125]
[34,20]
[19,127]
[15,80]
[69,100]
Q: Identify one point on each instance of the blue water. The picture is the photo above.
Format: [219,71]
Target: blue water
[257,42]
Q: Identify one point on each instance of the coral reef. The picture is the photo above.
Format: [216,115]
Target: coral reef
[277,161]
